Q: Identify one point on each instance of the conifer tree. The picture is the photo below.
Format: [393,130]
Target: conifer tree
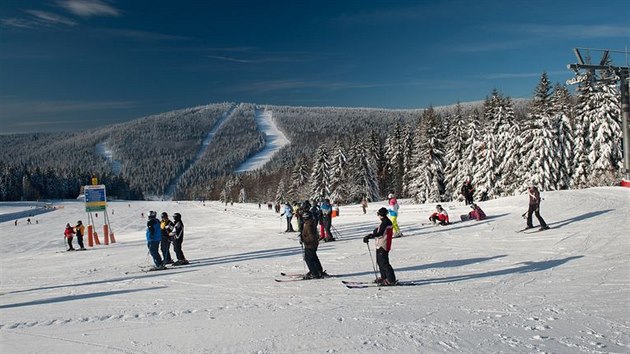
[455,165]
[563,110]
[320,175]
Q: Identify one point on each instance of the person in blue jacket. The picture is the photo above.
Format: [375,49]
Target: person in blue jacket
[288,213]
[154,236]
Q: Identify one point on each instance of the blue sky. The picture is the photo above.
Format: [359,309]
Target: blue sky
[73,64]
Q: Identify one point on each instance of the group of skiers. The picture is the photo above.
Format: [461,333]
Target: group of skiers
[321,213]
[160,234]
[70,232]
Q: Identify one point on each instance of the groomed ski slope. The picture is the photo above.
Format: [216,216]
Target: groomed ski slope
[484,288]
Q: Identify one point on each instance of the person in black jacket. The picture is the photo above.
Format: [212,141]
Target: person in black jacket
[310,241]
[468,191]
[166,226]
[177,236]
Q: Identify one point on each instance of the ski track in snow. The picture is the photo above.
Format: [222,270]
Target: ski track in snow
[484,289]
[170,190]
[274,141]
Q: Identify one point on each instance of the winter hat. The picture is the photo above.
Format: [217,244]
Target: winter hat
[390,196]
[382,212]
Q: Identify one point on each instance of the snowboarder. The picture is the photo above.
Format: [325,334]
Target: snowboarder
[79,229]
[534,207]
[439,216]
[476,213]
[166,226]
[468,191]
[326,221]
[383,235]
[393,213]
[68,233]
[178,239]
[153,240]
[288,213]
[310,242]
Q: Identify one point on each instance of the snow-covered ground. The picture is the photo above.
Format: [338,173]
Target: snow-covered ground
[483,288]
[275,140]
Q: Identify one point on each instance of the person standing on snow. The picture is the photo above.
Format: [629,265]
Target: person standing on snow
[439,216]
[68,233]
[288,213]
[154,235]
[166,226]
[364,204]
[383,236]
[80,231]
[178,239]
[310,241]
[326,221]
[468,191]
[534,207]
[393,213]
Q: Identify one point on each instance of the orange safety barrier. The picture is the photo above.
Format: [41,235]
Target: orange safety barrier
[111,237]
[106,234]
[90,236]
[96,240]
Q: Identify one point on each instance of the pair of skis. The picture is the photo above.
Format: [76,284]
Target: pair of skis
[291,277]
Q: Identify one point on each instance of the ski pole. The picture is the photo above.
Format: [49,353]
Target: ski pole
[373,266]
[303,258]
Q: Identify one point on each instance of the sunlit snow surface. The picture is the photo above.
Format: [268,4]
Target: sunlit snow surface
[274,138]
[483,288]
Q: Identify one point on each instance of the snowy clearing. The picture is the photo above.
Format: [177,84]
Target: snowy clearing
[483,287]
[274,141]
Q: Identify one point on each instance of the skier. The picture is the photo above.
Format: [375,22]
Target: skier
[178,239]
[393,213]
[68,234]
[534,207]
[439,216]
[326,221]
[467,191]
[166,226]
[383,235]
[288,213]
[310,242]
[153,240]
[80,231]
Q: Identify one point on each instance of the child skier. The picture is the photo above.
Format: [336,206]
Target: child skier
[68,233]
[393,213]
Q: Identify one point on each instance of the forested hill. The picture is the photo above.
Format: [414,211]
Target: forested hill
[555,140]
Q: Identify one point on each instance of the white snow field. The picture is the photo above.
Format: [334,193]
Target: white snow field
[482,287]
[275,140]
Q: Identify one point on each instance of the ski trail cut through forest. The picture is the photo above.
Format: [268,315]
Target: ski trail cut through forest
[274,141]
[103,150]
[170,190]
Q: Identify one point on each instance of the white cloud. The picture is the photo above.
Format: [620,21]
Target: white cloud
[88,8]
[51,18]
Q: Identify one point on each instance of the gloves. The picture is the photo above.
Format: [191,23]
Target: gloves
[366,239]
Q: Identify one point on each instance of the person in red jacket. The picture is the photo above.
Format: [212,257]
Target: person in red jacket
[69,234]
[439,216]
[476,212]
[383,235]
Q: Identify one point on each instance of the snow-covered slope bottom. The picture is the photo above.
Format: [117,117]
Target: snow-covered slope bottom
[483,287]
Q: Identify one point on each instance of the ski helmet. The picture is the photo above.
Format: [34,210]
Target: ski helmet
[79,222]
[177,216]
[164,214]
[152,214]
[390,196]
[382,212]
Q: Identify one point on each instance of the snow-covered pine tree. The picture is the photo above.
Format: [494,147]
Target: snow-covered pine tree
[338,174]
[394,152]
[605,134]
[541,150]
[583,111]
[563,110]
[320,175]
[363,173]
[377,153]
[474,147]
[281,191]
[428,175]
[299,179]
[496,172]
[455,166]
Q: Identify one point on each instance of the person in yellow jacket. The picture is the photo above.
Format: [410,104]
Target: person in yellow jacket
[79,229]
